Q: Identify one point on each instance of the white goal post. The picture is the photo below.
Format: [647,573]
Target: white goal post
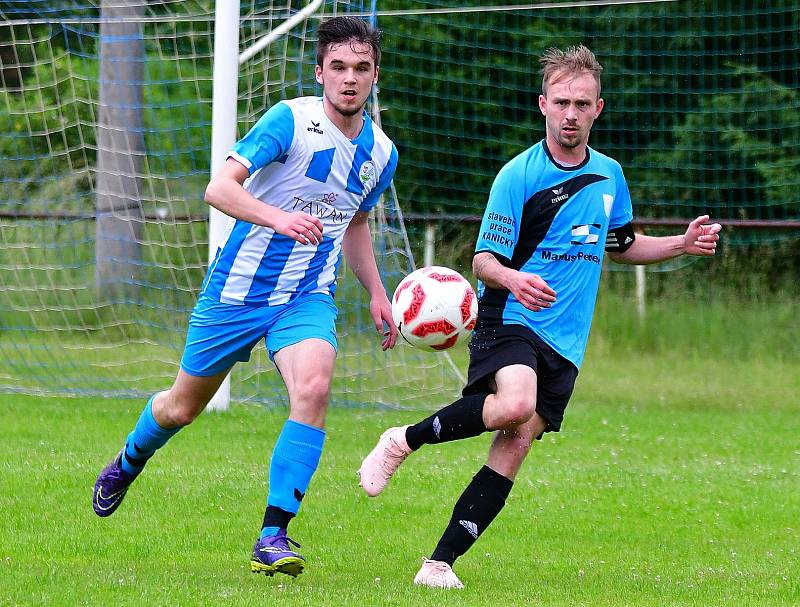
[223,121]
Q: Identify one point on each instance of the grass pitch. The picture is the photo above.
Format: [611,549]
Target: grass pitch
[675,481]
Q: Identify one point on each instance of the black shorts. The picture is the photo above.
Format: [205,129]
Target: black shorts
[493,348]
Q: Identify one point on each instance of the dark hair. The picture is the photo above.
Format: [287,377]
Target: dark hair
[345,29]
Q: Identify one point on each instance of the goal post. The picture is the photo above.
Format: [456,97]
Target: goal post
[223,133]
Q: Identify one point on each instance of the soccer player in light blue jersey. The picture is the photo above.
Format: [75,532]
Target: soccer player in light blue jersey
[298,189]
[552,212]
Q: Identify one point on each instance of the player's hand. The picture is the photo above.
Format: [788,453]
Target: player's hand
[381,311]
[300,226]
[701,237]
[531,291]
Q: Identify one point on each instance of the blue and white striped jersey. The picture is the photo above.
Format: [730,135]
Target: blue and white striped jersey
[552,220]
[298,161]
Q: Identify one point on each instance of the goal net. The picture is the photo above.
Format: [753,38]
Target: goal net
[105,127]
[105,145]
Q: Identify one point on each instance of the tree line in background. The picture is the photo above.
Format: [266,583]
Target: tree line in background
[703,103]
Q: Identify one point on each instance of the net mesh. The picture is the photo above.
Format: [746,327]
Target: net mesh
[81,318]
[701,110]
[702,104]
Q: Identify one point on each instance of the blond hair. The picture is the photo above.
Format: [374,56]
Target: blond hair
[574,60]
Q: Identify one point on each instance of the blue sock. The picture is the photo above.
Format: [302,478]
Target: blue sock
[294,461]
[147,436]
[269,531]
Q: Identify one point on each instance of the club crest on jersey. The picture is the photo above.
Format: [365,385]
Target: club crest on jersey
[584,234]
[367,172]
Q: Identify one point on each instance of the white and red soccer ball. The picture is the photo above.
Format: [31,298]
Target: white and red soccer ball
[434,308]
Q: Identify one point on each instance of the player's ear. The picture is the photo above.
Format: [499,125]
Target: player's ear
[318,73]
[377,73]
[542,103]
[600,104]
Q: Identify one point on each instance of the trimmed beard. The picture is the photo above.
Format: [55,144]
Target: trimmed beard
[349,113]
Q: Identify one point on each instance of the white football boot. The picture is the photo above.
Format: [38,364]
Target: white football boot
[437,574]
[384,460]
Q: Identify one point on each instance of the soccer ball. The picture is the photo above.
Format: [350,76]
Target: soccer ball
[434,308]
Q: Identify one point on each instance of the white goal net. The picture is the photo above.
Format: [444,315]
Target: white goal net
[105,125]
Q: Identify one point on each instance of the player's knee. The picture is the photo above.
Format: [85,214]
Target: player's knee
[516,410]
[175,412]
[185,416]
[314,391]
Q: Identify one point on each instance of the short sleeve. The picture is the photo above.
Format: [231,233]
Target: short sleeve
[622,210]
[500,225]
[268,140]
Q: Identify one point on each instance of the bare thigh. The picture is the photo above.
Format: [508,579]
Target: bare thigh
[514,400]
[307,370]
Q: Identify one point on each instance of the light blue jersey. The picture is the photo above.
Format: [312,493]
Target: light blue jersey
[298,161]
[551,220]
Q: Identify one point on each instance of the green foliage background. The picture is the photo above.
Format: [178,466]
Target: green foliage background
[702,111]
[702,105]
[701,102]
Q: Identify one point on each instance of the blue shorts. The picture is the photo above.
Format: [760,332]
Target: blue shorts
[221,335]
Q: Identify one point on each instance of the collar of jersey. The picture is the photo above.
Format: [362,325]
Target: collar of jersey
[576,167]
[364,125]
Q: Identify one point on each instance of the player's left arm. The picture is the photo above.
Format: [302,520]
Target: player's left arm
[700,239]
[358,252]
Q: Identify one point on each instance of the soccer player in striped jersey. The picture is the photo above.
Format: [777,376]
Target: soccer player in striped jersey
[552,211]
[298,189]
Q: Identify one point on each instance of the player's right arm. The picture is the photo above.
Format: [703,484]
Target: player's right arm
[269,139]
[498,237]
[226,193]
[528,289]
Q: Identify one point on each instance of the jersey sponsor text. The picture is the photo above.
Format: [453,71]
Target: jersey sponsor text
[570,257]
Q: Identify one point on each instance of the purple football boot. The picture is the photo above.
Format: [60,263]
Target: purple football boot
[272,554]
[110,488]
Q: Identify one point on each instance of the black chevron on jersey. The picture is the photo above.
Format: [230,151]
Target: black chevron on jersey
[537,217]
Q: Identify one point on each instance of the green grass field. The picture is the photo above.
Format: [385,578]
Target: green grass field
[676,481]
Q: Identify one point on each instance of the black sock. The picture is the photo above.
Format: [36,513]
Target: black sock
[277,517]
[462,419]
[481,502]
